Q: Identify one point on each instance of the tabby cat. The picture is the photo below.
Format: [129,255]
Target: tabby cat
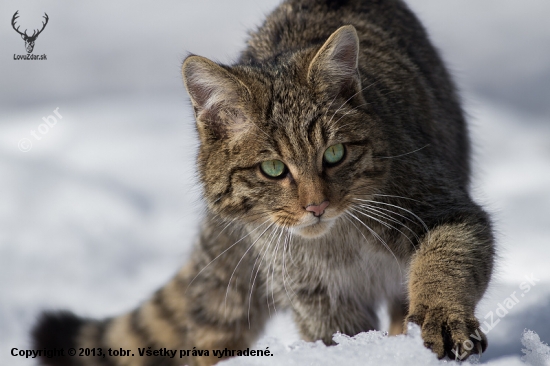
[334,161]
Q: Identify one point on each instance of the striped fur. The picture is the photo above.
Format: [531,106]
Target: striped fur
[400,227]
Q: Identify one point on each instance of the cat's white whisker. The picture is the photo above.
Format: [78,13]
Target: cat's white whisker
[273,234]
[402,197]
[270,265]
[273,275]
[264,251]
[369,263]
[225,227]
[348,112]
[400,208]
[379,239]
[240,260]
[381,210]
[350,98]
[389,226]
[330,105]
[401,155]
[380,213]
[222,253]
[285,272]
[373,211]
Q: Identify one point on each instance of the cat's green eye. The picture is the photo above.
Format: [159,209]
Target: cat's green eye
[273,168]
[334,154]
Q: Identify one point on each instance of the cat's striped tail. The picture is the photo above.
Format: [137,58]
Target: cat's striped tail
[122,340]
[185,317]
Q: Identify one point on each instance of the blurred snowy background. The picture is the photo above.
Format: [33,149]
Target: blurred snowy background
[102,209]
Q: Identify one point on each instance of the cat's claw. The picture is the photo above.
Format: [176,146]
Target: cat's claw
[448,332]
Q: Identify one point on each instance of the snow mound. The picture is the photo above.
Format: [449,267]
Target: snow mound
[377,349]
[536,352]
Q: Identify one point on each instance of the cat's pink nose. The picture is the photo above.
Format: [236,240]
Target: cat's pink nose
[317,210]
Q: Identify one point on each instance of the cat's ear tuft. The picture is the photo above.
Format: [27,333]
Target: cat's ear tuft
[217,97]
[334,67]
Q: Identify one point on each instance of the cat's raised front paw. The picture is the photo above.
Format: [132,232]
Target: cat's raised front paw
[448,332]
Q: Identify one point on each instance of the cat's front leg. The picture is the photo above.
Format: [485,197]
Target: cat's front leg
[448,276]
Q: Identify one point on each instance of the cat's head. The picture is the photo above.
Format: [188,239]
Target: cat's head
[291,142]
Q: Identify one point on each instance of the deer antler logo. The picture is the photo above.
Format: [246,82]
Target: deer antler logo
[29,40]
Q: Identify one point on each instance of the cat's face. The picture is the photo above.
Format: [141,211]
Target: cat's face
[289,144]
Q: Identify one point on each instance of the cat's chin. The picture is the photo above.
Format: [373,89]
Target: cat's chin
[315,230]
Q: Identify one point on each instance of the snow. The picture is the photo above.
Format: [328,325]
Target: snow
[536,352]
[376,348]
[104,207]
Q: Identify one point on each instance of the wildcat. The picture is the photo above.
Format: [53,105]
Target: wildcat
[334,161]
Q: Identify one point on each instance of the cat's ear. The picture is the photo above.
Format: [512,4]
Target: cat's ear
[334,67]
[217,97]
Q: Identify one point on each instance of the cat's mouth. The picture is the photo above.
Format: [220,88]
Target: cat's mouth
[314,227]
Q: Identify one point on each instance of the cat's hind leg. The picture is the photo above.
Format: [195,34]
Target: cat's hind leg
[318,318]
